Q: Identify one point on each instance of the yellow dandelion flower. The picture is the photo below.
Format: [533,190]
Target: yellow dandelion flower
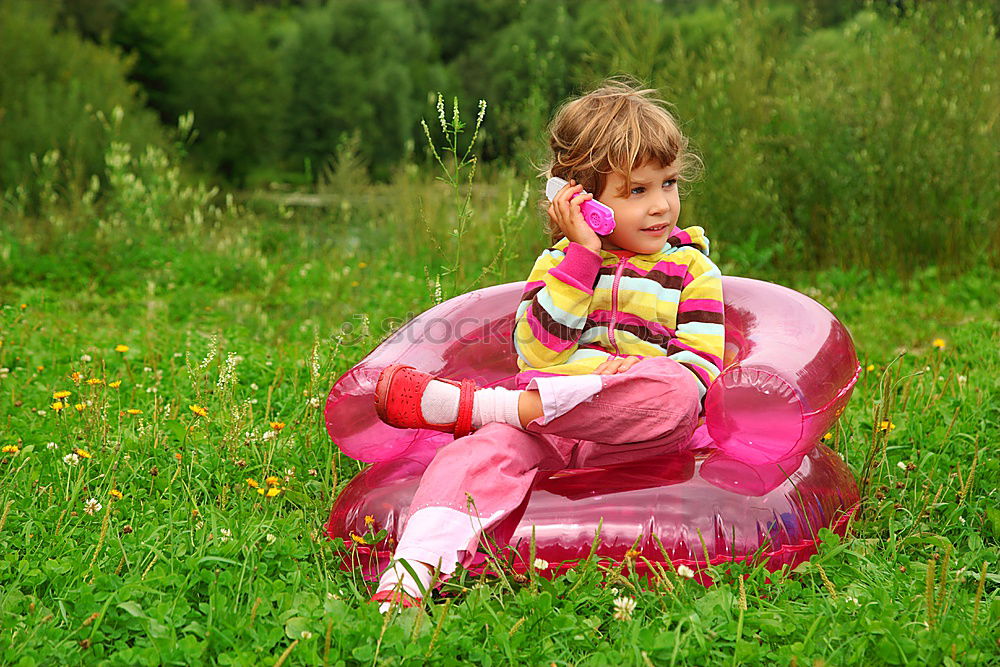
[82,453]
[115,384]
[261,491]
[358,539]
[23,306]
[121,348]
[272,481]
[134,411]
[76,377]
[58,405]
[79,406]
[115,494]
[273,491]
[10,449]
[362,265]
[632,553]
[252,483]
[939,343]
[369,520]
[61,394]
[39,368]
[198,410]
[93,381]
[886,426]
[177,456]
[354,283]
[277,426]
[828,436]
[870,367]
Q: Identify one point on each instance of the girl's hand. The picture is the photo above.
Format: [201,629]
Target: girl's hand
[565,213]
[616,365]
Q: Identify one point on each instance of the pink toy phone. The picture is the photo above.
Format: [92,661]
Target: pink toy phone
[599,216]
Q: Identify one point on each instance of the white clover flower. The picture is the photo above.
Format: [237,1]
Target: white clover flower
[314,402]
[71,459]
[853,601]
[624,606]
[270,538]
[901,465]
[306,634]
[253,385]
[225,535]
[685,572]
[147,369]
[962,380]
[51,445]
[269,435]
[92,506]
[540,564]
[86,358]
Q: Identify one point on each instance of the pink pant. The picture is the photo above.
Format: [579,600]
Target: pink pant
[477,482]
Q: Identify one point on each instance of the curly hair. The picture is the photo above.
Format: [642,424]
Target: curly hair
[614,129]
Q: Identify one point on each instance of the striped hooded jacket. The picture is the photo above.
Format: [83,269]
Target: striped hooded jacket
[579,308]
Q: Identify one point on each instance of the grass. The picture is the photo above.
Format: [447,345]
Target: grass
[192,565]
[227,325]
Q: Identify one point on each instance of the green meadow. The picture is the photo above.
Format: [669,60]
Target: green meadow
[170,329]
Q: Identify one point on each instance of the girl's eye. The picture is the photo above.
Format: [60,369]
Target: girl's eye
[638,191]
[670,182]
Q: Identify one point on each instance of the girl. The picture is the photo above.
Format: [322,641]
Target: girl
[618,338]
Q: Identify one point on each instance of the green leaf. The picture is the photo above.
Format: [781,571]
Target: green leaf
[133,608]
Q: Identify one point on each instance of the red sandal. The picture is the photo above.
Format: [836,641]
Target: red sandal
[397,400]
[397,598]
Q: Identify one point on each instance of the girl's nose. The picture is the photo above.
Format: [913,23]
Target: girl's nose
[659,205]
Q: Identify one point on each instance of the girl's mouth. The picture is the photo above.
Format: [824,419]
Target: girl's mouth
[656,229]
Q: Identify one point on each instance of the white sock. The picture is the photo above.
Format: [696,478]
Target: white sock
[397,577]
[439,404]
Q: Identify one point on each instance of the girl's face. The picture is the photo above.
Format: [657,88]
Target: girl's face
[646,215]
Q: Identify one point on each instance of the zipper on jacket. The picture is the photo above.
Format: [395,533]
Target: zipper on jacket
[614,305]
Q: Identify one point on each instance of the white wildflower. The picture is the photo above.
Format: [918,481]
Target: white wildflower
[624,606]
[685,572]
[962,380]
[853,601]
[269,435]
[253,385]
[540,564]
[225,535]
[306,634]
[314,402]
[51,445]
[71,459]
[92,506]
[901,465]
[270,538]
[86,358]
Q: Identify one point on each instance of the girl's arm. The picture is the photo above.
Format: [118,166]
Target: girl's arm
[555,304]
[699,339]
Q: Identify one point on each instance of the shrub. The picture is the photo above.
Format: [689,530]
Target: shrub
[52,86]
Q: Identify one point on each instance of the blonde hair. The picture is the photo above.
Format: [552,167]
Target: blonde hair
[613,130]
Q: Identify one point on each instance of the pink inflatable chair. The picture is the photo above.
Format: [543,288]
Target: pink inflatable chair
[755,483]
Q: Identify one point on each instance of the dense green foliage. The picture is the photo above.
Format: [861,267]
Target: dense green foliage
[831,134]
[239,311]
